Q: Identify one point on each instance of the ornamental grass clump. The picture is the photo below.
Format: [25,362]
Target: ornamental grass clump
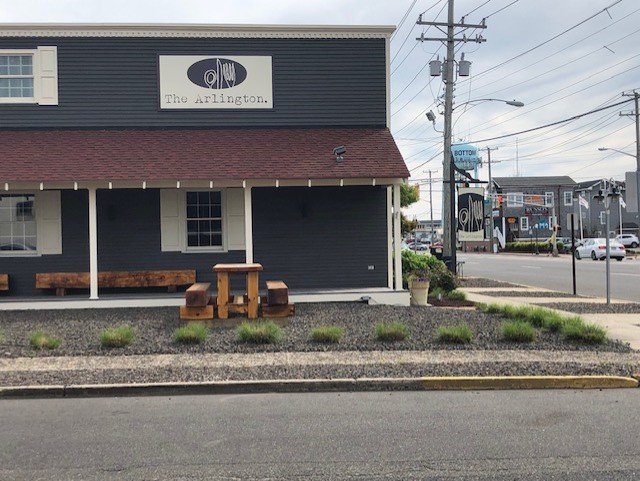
[575,329]
[519,331]
[456,295]
[191,334]
[40,340]
[395,331]
[460,334]
[327,334]
[259,332]
[117,337]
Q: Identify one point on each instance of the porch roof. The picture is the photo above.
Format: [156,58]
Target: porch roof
[203,154]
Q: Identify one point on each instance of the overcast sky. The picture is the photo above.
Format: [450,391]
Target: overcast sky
[560,57]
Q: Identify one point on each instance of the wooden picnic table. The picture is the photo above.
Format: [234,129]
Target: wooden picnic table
[225,303]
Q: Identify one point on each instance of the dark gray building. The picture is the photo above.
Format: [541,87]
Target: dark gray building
[138,147]
[531,206]
[593,217]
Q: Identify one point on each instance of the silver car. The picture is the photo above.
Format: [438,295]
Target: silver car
[597,249]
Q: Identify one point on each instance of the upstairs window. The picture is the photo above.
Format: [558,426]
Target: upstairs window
[515,199]
[29,76]
[16,76]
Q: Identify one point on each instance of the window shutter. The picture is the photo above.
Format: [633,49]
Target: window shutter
[47,75]
[49,222]
[235,219]
[171,220]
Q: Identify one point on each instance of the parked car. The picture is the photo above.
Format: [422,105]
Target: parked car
[628,240]
[597,249]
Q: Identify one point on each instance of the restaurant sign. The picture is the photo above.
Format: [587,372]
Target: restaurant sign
[215,82]
[536,210]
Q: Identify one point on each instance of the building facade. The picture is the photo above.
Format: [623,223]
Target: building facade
[140,147]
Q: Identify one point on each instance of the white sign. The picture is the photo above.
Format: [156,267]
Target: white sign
[215,82]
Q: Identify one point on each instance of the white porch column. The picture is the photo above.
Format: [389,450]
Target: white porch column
[390,236]
[93,244]
[396,237]
[248,225]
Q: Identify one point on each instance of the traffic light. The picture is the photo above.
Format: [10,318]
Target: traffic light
[499,201]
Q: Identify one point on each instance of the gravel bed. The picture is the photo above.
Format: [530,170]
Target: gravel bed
[529,294]
[79,331]
[595,308]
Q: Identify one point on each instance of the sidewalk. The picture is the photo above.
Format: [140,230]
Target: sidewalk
[325,371]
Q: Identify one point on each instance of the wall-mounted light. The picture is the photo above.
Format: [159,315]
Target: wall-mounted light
[339,152]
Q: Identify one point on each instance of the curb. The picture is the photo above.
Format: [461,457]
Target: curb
[320,385]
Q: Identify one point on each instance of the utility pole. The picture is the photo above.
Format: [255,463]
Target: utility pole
[449,188]
[635,114]
[490,195]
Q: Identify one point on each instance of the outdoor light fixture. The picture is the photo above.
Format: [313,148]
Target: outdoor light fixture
[339,152]
[431,116]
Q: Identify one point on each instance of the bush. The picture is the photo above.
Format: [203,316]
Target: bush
[191,334]
[40,340]
[259,332]
[460,334]
[327,334]
[526,246]
[391,332]
[457,295]
[575,329]
[439,275]
[519,331]
[117,337]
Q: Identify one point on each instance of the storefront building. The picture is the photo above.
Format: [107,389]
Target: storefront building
[150,147]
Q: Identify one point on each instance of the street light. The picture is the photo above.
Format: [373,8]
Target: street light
[449,198]
[602,149]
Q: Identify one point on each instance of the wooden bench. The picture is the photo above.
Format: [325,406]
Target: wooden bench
[198,302]
[276,302]
[4,282]
[60,281]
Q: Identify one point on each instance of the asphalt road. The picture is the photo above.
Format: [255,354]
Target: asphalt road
[556,273]
[501,435]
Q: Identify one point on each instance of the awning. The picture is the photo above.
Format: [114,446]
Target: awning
[189,154]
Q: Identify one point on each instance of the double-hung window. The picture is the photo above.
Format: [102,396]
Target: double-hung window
[515,199]
[204,220]
[16,77]
[548,199]
[18,229]
[568,197]
[524,223]
[29,76]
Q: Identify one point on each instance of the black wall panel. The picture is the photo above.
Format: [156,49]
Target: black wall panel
[322,237]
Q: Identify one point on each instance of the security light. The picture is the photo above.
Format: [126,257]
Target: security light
[339,152]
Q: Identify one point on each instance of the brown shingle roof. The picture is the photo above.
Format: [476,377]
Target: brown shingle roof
[88,155]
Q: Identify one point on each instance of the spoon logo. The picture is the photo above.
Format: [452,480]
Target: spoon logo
[217,73]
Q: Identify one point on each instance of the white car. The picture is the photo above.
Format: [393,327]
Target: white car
[597,249]
[628,240]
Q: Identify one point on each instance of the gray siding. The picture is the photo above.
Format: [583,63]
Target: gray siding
[324,237]
[113,82]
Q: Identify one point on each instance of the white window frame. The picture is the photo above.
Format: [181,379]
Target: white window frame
[603,218]
[48,218]
[552,222]
[223,233]
[10,253]
[524,224]
[548,199]
[45,75]
[9,76]
[568,198]
[515,199]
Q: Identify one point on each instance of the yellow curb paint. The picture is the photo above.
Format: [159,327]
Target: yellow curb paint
[528,382]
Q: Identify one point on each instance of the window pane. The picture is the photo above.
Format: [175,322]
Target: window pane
[204,226]
[203,198]
[216,240]
[216,211]
[216,226]
[192,240]
[192,212]
[204,211]
[205,240]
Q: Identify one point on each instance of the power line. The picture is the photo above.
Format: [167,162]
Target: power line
[477,8]
[500,10]
[404,18]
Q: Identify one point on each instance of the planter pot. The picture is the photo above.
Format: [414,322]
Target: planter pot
[418,291]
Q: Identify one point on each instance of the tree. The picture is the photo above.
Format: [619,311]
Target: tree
[408,195]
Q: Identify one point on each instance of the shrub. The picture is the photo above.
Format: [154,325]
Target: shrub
[327,334]
[391,332]
[439,275]
[117,337]
[490,308]
[575,329]
[519,331]
[460,334]
[1,338]
[191,334]
[456,295]
[40,340]
[259,332]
